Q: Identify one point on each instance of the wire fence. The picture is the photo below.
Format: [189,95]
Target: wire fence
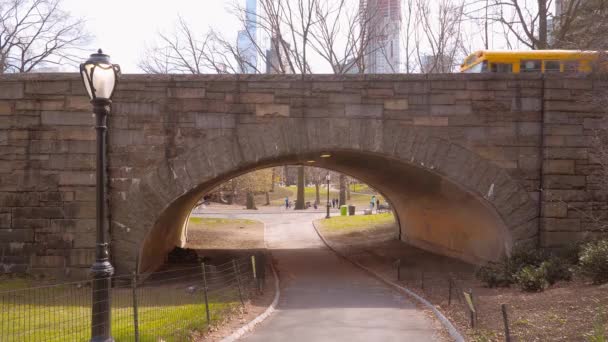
[170,305]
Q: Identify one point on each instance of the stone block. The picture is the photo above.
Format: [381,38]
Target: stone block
[78,103]
[214,121]
[555,195]
[5,220]
[396,104]
[272,110]
[551,129]
[71,133]
[564,182]
[59,118]
[77,178]
[18,199]
[431,121]
[345,98]
[55,261]
[39,105]
[11,90]
[561,224]
[555,209]
[6,108]
[566,153]
[379,92]
[526,104]
[255,98]
[558,167]
[79,210]
[37,212]
[451,110]
[442,99]
[82,257]
[47,87]
[17,235]
[550,239]
[363,111]
[186,93]
[328,86]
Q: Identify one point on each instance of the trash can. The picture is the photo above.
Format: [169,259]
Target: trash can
[351,210]
[343,210]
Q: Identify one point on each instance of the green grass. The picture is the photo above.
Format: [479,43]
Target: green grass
[359,200]
[208,222]
[63,313]
[358,222]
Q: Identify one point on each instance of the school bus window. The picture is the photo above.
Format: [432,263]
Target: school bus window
[552,66]
[570,66]
[530,66]
[501,67]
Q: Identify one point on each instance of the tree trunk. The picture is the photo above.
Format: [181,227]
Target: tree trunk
[317,194]
[300,201]
[251,201]
[286,175]
[267,198]
[272,180]
[348,191]
[342,189]
[542,25]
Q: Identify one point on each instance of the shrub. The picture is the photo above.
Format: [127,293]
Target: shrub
[531,278]
[494,275]
[593,261]
[556,269]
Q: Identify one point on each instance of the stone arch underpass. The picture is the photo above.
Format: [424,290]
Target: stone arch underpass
[473,164]
[447,199]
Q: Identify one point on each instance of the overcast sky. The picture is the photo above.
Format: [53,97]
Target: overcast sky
[122,28]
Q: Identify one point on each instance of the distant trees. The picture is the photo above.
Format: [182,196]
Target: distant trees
[38,33]
[335,32]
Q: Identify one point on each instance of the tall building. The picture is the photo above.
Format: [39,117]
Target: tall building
[247,40]
[383,18]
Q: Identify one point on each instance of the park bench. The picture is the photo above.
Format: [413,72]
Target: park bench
[383,208]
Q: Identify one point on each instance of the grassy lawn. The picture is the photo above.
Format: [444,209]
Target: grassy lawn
[357,222]
[210,222]
[63,313]
[359,200]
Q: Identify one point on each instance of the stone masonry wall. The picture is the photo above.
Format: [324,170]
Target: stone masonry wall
[47,141]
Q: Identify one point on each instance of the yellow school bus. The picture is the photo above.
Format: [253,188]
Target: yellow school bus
[539,61]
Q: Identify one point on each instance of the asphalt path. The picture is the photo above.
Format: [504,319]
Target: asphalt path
[324,297]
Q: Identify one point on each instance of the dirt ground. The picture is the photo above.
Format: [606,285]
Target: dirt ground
[225,234]
[243,315]
[567,311]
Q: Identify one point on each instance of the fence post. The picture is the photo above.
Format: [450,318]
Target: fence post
[261,270]
[205,290]
[399,269]
[505,319]
[255,275]
[450,291]
[422,280]
[135,307]
[238,280]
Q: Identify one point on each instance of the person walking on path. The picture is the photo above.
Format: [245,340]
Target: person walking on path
[286,202]
[372,201]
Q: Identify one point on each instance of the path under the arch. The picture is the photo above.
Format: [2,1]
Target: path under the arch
[325,298]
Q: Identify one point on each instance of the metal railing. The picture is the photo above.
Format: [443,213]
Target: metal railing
[171,305]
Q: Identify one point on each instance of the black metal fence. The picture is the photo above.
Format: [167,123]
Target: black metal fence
[171,305]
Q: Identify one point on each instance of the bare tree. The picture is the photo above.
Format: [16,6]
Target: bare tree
[438,39]
[38,33]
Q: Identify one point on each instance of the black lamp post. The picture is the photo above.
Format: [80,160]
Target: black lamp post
[99,76]
[328,204]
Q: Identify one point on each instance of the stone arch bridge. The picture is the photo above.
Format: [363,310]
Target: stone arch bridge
[461,157]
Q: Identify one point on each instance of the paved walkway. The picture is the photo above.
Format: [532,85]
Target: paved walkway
[325,298]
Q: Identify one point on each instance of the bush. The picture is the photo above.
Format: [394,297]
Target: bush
[494,275]
[556,269]
[593,261]
[532,279]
